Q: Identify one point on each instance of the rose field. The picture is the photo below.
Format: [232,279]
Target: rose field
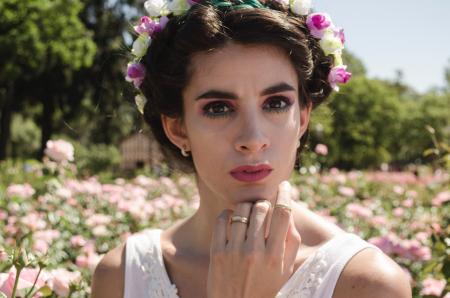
[55,227]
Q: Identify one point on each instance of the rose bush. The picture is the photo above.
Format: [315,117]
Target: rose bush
[54,227]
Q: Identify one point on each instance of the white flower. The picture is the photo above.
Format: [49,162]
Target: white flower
[155,8]
[300,7]
[330,43]
[140,102]
[140,45]
[178,7]
[59,150]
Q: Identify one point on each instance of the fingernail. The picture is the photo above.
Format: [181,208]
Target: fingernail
[265,201]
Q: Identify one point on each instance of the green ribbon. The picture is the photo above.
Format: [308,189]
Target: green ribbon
[239,4]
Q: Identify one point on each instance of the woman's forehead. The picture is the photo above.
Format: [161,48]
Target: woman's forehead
[237,65]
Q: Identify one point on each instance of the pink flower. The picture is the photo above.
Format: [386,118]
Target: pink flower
[146,25]
[59,150]
[135,74]
[398,212]
[26,280]
[338,75]
[61,281]
[408,203]
[317,23]
[24,191]
[357,210]
[441,198]
[382,242]
[378,221]
[346,191]
[321,149]
[77,240]
[339,32]
[432,286]
[89,261]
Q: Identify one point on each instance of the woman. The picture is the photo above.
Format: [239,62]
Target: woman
[227,89]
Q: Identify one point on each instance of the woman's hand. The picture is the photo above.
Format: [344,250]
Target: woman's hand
[244,263]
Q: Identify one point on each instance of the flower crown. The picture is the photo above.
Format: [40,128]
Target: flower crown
[331,38]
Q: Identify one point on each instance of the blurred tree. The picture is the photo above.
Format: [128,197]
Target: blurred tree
[44,43]
[354,64]
[364,124]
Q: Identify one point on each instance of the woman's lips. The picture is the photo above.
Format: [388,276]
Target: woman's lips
[251,173]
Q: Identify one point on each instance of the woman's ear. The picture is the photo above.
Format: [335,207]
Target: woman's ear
[305,113]
[175,131]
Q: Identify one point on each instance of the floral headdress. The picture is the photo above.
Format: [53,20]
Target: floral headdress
[331,38]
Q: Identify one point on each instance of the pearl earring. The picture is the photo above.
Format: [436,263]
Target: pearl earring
[298,143]
[184,153]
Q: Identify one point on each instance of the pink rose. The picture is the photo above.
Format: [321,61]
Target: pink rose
[433,287]
[135,74]
[59,150]
[357,210]
[24,191]
[317,23]
[346,191]
[61,281]
[147,25]
[338,75]
[321,149]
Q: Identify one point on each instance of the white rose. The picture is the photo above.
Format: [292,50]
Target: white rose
[330,43]
[178,7]
[300,7]
[155,8]
[140,45]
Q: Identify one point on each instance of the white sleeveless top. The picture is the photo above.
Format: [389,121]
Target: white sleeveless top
[146,276]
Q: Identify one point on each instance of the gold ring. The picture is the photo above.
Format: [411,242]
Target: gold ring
[283,206]
[237,218]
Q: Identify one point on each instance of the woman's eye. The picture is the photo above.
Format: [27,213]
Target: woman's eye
[278,104]
[216,109]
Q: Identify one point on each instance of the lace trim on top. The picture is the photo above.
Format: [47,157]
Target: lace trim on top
[152,266]
[302,283]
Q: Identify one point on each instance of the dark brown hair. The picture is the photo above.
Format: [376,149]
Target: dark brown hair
[206,28]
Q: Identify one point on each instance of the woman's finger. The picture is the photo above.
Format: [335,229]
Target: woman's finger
[239,229]
[281,218]
[219,236]
[293,241]
[256,228]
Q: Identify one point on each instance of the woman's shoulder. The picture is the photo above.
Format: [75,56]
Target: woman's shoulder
[371,273]
[108,279]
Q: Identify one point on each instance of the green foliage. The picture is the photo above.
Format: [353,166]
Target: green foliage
[96,158]
[365,123]
[25,136]
[432,109]
[39,34]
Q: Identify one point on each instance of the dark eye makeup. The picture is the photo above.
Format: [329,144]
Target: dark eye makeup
[218,109]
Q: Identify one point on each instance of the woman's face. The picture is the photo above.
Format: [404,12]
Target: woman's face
[242,108]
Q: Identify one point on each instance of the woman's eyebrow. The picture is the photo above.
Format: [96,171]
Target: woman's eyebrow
[229,95]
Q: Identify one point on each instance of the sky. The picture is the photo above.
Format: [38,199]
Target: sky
[411,36]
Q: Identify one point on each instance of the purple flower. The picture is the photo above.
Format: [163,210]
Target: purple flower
[338,75]
[192,2]
[147,25]
[317,23]
[135,74]
[339,32]
[163,21]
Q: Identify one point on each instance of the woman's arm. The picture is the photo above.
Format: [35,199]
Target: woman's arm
[108,279]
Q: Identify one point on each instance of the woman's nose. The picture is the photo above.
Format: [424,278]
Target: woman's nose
[251,137]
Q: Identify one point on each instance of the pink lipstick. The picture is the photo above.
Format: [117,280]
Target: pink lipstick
[251,173]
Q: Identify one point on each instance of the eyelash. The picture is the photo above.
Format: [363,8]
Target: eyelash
[205,109]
